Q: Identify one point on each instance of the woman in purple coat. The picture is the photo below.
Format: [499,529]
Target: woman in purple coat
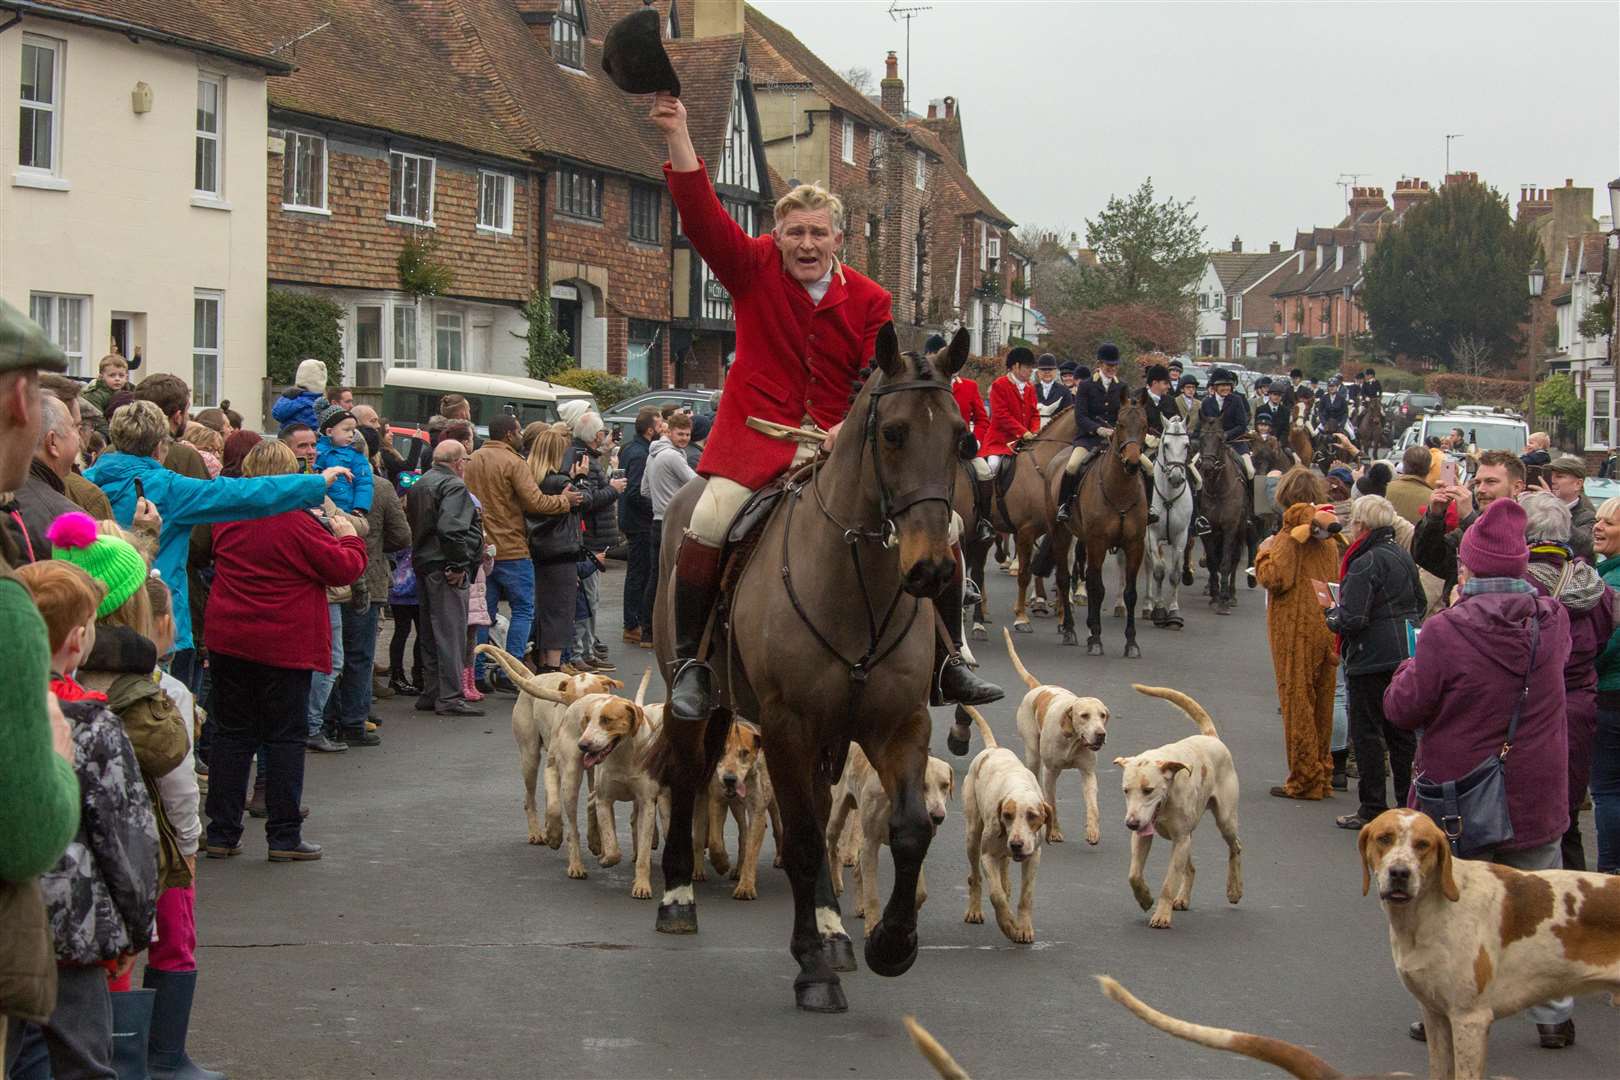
[1472,661]
[1555,572]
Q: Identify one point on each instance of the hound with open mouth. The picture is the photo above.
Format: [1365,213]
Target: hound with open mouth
[740,787]
[1167,790]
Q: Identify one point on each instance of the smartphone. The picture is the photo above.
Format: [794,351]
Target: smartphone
[140,490]
[1448,472]
[616,474]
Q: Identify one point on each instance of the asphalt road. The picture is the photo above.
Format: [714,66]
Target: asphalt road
[433,941]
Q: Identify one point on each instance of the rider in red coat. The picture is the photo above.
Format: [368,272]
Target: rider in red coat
[971,402]
[1013,411]
[806,325]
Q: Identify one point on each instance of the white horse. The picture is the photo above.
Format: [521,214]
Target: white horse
[1167,537]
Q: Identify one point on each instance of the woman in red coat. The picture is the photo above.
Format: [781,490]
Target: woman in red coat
[806,325]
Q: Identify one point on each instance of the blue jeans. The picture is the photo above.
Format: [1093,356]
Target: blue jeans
[1605,785]
[359,653]
[585,628]
[511,580]
[1341,713]
[320,685]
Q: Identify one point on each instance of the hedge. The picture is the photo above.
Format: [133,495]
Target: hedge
[298,326]
[607,388]
[1319,361]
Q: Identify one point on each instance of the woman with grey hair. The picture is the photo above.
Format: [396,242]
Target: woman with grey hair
[1606,745]
[1555,572]
[1380,598]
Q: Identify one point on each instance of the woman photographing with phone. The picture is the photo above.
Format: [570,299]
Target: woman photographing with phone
[554,546]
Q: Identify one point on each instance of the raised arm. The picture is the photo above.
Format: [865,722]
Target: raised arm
[730,252]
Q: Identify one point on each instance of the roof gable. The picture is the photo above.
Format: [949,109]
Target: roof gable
[786,59]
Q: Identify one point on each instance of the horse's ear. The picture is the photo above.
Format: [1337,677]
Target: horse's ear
[956,354]
[888,351]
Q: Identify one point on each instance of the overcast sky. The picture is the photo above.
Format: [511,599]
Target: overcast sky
[1254,109]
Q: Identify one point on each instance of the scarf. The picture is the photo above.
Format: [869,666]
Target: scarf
[1475,586]
[1585,588]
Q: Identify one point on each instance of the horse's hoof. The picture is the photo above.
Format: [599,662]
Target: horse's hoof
[1223,608]
[840,952]
[1133,651]
[1066,637]
[821,997]
[676,919]
[979,632]
[1158,616]
[957,746]
[1094,648]
[1023,628]
[1187,577]
[890,953]
[1174,622]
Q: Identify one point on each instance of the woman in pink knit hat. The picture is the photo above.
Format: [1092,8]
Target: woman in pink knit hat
[1498,643]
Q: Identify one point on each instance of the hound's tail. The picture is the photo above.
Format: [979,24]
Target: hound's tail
[1018,665]
[985,733]
[936,1054]
[641,690]
[1195,712]
[521,676]
[1295,1060]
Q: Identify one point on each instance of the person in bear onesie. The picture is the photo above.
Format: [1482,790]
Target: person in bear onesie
[1303,652]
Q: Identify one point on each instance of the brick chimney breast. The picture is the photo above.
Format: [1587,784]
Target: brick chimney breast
[1276,248]
[893,88]
[1237,245]
[950,108]
[933,110]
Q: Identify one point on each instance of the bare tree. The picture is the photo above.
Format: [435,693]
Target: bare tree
[1472,355]
[860,78]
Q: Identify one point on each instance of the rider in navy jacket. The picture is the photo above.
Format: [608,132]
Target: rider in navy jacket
[1333,411]
[1231,411]
[1096,411]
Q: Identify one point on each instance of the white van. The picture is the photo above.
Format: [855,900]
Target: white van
[411,395]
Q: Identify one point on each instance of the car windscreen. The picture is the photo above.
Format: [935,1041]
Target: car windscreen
[1485,434]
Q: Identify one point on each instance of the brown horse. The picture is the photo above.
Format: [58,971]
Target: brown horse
[826,637]
[1111,512]
[1025,501]
[1370,427]
[1226,507]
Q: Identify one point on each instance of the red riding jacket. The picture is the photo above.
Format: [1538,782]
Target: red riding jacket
[794,357]
[966,393]
[1012,412]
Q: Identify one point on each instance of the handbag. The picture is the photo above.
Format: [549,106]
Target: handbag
[1472,810]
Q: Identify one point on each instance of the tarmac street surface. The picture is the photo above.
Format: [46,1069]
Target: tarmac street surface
[433,941]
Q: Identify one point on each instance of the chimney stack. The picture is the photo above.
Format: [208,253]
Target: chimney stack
[933,110]
[716,18]
[1462,178]
[1364,200]
[1410,191]
[1237,245]
[950,108]
[893,88]
[1276,248]
[1533,203]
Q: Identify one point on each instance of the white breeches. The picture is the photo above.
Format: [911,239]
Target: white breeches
[993,464]
[981,468]
[721,499]
[1077,457]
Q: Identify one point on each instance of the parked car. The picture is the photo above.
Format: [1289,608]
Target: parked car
[621,418]
[1408,405]
[1601,488]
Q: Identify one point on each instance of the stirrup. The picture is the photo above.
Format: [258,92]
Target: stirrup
[681,687]
[966,689]
[1201,526]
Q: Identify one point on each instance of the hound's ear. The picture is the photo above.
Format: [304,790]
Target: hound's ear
[1362,843]
[1448,883]
[1122,762]
[888,351]
[1170,768]
[956,355]
[615,683]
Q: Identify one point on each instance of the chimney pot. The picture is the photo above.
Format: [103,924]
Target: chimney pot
[891,66]
[1569,181]
[950,108]
[1276,248]
[933,110]
[1237,245]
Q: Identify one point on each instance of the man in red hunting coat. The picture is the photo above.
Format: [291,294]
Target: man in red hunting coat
[971,402]
[806,325]
[1014,414]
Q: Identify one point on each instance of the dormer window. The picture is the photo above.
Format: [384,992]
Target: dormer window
[568,35]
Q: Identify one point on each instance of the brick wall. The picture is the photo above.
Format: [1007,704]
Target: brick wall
[357,247]
[903,204]
[852,183]
[633,277]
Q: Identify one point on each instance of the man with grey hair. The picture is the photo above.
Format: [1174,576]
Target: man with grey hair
[600,514]
[1555,572]
[86,495]
[366,416]
[43,498]
[1410,492]
[447,544]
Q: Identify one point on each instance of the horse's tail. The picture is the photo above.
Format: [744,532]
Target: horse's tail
[1018,665]
[1295,1060]
[983,725]
[521,675]
[937,1055]
[1195,712]
[641,690]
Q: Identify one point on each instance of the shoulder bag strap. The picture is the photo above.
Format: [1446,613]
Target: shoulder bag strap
[1524,694]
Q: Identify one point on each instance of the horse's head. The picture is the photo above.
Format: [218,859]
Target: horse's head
[1174,447]
[915,436]
[1211,444]
[1130,431]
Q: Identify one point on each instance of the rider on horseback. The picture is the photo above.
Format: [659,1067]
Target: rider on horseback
[1159,405]
[1014,416]
[1274,412]
[806,324]
[1231,411]
[1096,411]
[1333,411]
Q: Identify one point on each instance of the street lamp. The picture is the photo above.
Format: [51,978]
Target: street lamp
[1538,282]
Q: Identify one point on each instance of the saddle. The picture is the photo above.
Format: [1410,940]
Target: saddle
[742,536]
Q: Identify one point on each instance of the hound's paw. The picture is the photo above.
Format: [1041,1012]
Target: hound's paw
[1181,904]
[1139,889]
[847,860]
[554,836]
[777,862]
[536,836]
[641,890]
[1093,835]
[611,858]
[745,891]
[1234,893]
[736,873]
[698,873]
[1160,919]
[1023,933]
[576,871]
[1055,836]
[974,915]
[721,863]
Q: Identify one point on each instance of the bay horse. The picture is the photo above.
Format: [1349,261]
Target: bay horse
[1167,538]
[1110,512]
[1024,502]
[826,636]
[1370,427]
[1226,507]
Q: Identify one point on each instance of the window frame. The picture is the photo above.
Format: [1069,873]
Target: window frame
[508,186]
[217,137]
[399,336]
[652,202]
[921,177]
[290,139]
[406,158]
[848,141]
[56,47]
[576,177]
[370,367]
[77,360]
[200,399]
[1603,415]
[569,49]
[439,327]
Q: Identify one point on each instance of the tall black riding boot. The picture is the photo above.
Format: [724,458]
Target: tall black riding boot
[956,683]
[984,501]
[697,580]
[1066,492]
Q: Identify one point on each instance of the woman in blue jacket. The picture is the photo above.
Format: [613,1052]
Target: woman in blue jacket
[131,471]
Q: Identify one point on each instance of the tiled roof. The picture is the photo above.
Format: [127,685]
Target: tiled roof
[779,186]
[1583,254]
[1259,270]
[784,58]
[1232,265]
[217,26]
[978,201]
[708,71]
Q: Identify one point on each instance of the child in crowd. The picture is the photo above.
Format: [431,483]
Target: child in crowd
[340,445]
[209,444]
[113,377]
[102,894]
[302,402]
[404,609]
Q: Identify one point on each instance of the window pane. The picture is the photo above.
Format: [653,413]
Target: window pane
[396,178]
[207,106]
[405,336]
[72,325]
[39,309]
[207,163]
[368,333]
[313,181]
[25,137]
[38,74]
